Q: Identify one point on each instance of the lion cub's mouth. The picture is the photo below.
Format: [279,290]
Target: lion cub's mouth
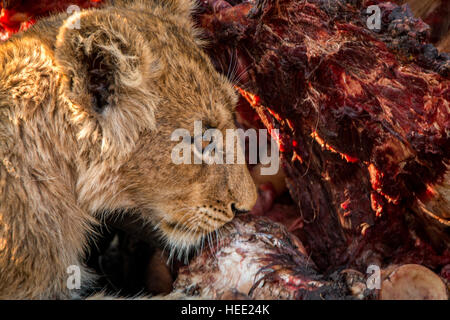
[187,238]
[174,226]
[169,235]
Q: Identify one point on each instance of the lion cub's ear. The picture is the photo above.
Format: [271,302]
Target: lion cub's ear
[104,59]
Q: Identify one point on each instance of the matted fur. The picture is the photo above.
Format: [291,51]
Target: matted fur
[85,122]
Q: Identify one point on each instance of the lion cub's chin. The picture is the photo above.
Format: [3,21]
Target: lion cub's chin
[181,243]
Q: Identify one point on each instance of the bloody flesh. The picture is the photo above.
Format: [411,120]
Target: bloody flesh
[363,127]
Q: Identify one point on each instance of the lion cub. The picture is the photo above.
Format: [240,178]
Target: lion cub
[86,116]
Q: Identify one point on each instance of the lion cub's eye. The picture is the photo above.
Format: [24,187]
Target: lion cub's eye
[204,143]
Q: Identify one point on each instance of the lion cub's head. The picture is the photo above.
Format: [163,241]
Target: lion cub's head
[132,76]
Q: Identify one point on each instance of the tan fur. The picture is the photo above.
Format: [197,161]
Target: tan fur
[65,162]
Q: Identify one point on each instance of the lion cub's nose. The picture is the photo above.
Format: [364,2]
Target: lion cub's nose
[236,211]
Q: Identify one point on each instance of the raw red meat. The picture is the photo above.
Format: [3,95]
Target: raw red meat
[257,259]
[364,128]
